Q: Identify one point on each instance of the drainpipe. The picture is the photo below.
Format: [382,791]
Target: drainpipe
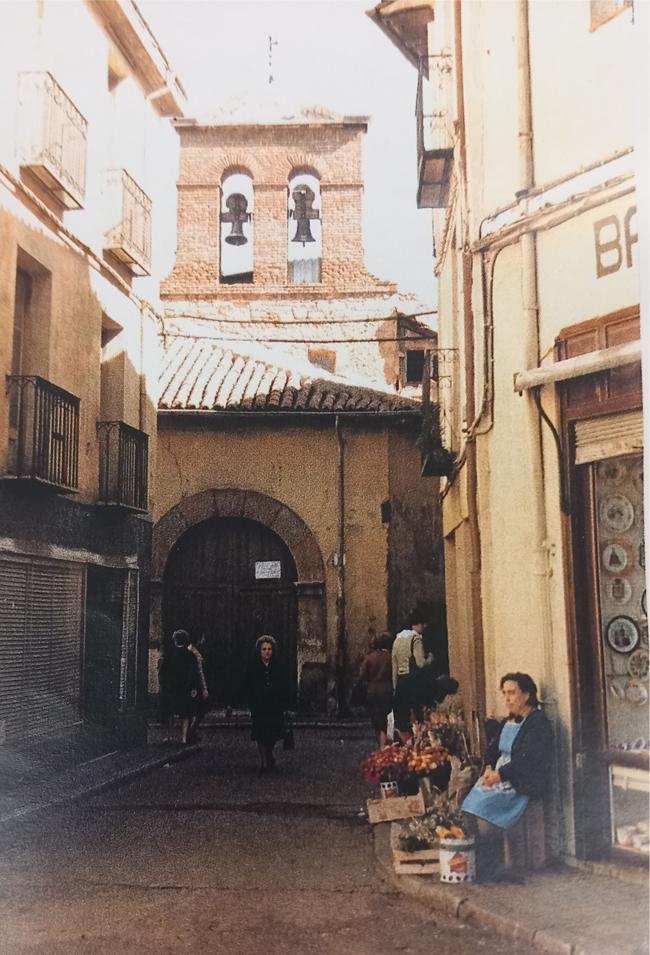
[341,648]
[530,306]
[475,567]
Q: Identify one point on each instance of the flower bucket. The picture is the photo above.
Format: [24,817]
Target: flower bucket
[457,861]
[389,790]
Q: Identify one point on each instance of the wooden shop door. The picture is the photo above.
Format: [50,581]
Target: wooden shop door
[231,580]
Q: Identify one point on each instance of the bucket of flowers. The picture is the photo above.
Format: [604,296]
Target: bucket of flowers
[416,842]
[387,767]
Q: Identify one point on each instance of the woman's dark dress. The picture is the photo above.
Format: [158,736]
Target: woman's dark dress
[267,698]
[181,677]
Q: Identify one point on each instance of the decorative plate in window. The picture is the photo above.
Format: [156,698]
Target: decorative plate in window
[617,558]
[613,472]
[619,590]
[622,634]
[616,513]
[636,693]
[638,664]
[637,476]
[644,604]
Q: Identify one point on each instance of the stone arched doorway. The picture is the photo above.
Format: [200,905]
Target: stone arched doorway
[198,521]
[229,580]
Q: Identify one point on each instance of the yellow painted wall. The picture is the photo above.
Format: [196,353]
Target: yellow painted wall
[298,466]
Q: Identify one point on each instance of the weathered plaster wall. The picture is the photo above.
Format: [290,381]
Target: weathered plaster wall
[298,466]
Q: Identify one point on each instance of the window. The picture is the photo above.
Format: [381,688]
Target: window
[305,247]
[323,358]
[236,266]
[52,138]
[604,10]
[414,366]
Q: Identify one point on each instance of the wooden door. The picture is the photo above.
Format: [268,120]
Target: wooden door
[213,588]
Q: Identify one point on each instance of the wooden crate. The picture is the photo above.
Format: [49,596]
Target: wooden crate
[420,862]
[399,807]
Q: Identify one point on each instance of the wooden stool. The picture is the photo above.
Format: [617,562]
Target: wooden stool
[525,843]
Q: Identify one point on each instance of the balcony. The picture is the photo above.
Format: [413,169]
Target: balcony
[52,138]
[43,433]
[123,465]
[435,140]
[129,238]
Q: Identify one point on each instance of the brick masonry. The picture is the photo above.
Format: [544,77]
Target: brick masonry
[330,150]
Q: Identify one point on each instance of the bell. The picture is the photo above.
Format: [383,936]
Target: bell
[303,232]
[237,205]
[303,198]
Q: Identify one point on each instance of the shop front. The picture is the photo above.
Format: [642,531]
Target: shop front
[602,431]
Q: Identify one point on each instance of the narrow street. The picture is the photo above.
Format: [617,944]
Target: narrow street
[207,855]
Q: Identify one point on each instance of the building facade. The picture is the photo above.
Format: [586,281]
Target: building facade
[527,154]
[86,92]
[292,379]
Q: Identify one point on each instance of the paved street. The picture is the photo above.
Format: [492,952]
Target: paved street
[207,856]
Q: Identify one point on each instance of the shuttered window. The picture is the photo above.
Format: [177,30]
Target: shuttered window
[608,437]
[40,646]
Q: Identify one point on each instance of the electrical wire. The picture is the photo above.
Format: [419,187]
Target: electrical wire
[299,321]
[217,339]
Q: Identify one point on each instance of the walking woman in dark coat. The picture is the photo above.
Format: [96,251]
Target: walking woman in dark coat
[268,699]
[183,681]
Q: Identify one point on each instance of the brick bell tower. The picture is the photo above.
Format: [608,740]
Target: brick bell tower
[271,211]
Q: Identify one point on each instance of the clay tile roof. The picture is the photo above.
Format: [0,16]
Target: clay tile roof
[203,375]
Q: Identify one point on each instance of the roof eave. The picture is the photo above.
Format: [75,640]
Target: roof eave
[128,29]
[388,13]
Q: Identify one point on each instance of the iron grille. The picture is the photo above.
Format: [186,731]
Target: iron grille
[130,238]
[52,135]
[434,136]
[123,469]
[44,437]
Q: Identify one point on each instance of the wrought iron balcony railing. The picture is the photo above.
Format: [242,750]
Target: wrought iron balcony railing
[434,133]
[123,465]
[43,433]
[52,138]
[129,238]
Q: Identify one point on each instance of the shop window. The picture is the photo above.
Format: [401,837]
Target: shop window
[236,229]
[623,611]
[305,246]
[604,10]
[323,358]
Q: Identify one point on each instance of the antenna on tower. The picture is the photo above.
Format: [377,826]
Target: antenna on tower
[272,43]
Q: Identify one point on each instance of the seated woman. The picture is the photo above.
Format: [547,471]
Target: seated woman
[517,767]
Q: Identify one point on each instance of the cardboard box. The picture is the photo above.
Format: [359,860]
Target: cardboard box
[399,807]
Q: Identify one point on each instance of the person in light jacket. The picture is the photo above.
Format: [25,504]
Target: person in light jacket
[408,657]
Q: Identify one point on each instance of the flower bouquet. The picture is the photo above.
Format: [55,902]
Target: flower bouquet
[385,765]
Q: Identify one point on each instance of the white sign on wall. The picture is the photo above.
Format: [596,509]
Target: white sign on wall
[268,570]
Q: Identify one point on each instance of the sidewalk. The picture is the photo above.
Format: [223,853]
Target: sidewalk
[557,912]
[29,787]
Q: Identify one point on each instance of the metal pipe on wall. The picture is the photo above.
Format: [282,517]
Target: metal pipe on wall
[341,648]
[475,564]
[530,308]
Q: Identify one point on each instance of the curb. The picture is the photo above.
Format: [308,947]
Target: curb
[76,792]
[456,906]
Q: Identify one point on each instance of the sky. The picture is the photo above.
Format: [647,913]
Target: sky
[325,52]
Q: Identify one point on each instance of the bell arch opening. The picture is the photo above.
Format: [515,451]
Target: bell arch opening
[305,233]
[236,265]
